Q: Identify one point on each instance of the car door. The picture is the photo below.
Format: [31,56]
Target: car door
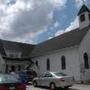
[40,80]
[47,79]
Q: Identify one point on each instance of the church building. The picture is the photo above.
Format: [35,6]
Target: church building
[68,53]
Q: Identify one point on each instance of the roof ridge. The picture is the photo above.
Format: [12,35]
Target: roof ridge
[58,36]
[65,40]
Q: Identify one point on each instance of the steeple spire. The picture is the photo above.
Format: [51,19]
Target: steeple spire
[83,9]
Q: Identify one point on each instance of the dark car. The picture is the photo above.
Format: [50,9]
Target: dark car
[23,77]
[30,74]
[9,82]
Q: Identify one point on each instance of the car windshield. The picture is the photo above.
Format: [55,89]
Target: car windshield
[60,74]
[5,78]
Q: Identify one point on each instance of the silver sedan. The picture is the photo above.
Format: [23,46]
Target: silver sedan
[54,80]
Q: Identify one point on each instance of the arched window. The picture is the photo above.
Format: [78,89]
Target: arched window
[48,64]
[37,63]
[63,62]
[86,63]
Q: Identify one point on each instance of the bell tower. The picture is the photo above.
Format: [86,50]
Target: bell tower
[84,16]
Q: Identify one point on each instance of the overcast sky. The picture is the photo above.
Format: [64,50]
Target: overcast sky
[34,21]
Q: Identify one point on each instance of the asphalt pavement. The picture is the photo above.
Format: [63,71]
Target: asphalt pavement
[75,87]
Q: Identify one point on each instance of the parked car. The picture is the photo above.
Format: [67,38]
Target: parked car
[23,77]
[9,82]
[30,74]
[54,80]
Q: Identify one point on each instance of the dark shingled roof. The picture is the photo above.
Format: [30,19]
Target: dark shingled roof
[16,59]
[26,49]
[65,40]
[11,46]
[84,8]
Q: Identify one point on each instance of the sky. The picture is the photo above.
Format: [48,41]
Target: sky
[34,21]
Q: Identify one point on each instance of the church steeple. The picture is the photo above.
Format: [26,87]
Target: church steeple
[84,16]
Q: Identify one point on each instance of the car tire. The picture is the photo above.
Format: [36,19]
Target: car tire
[35,83]
[66,87]
[52,86]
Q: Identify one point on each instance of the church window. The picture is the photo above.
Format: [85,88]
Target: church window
[82,18]
[89,16]
[48,64]
[13,68]
[37,63]
[19,68]
[86,63]
[6,69]
[63,62]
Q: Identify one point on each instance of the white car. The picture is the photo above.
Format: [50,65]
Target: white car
[54,80]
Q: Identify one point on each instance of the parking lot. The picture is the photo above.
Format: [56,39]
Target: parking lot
[75,87]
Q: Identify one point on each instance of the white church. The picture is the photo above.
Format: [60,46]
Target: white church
[69,52]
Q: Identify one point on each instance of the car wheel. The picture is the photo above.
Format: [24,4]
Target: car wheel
[34,83]
[66,87]
[52,86]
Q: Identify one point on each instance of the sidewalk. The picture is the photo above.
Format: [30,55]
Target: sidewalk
[81,87]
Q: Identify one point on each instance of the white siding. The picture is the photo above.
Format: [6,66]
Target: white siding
[72,62]
[85,47]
